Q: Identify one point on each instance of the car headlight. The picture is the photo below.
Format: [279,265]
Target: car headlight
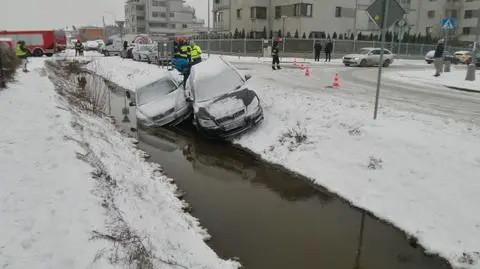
[253,106]
[206,123]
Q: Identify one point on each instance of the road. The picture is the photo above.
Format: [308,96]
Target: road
[360,84]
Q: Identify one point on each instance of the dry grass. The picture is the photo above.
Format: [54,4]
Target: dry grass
[9,64]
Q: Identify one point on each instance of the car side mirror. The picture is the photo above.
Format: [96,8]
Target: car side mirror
[132,103]
[128,94]
[248,76]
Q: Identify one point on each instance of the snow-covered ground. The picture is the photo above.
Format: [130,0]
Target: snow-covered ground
[77,194]
[455,78]
[417,171]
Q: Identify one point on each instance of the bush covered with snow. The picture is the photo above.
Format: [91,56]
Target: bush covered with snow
[8,65]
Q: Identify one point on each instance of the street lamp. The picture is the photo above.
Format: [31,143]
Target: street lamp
[284,17]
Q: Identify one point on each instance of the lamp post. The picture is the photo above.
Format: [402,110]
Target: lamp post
[284,17]
[208,29]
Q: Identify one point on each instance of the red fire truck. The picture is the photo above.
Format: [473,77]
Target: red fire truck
[38,43]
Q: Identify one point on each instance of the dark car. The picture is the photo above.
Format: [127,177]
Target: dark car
[448,57]
[223,103]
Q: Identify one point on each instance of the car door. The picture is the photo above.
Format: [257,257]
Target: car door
[374,57]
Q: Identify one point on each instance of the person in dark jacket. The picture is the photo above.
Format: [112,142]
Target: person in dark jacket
[328,51]
[318,50]
[275,54]
[438,57]
[78,48]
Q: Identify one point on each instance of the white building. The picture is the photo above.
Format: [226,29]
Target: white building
[340,16]
[161,17]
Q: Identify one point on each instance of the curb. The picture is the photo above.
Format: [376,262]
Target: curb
[462,89]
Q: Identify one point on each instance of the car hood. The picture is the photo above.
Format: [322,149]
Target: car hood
[162,104]
[226,104]
[354,55]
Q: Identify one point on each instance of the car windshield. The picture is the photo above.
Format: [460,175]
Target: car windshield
[144,48]
[208,87]
[155,90]
[365,51]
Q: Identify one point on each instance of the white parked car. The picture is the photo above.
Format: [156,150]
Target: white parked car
[91,45]
[369,57]
[141,52]
[161,102]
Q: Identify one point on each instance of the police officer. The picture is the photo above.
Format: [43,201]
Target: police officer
[196,53]
[275,54]
[22,53]
[185,54]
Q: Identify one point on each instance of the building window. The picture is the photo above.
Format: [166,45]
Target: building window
[157,3]
[466,30]
[172,26]
[468,14]
[338,12]
[159,14]
[431,14]
[302,10]
[184,26]
[140,8]
[172,14]
[278,12]
[258,13]
[239,14]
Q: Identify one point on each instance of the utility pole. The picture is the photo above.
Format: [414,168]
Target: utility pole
[355,27]
[477,37]
[208,29]
[270,18]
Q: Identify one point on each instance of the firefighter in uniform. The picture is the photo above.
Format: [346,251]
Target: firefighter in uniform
[22,53]
[78,48]
[196,53]
[275,54]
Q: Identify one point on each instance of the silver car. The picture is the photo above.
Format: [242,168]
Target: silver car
[161,102]
[141,52]
[369,57]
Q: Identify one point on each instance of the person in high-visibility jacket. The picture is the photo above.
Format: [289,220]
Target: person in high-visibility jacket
[196,53]
[186,53]
[22,53]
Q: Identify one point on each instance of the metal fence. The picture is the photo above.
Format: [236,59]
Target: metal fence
[303,48]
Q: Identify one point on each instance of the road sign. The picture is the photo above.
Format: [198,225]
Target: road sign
[376,12]
[448,23]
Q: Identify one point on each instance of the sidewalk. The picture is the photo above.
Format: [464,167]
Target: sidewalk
[77,194]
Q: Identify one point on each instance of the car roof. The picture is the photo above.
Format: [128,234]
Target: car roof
[372,48]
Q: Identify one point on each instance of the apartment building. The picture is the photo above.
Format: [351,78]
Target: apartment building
[161,17]
[340,16]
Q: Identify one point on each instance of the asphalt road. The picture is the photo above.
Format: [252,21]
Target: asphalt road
[360,84]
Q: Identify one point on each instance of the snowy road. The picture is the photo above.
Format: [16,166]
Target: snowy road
[360,84]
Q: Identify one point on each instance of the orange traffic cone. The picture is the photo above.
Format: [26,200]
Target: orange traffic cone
[307,72]
[302,66]
[336,81]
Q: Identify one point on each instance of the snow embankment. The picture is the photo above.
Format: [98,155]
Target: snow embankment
[453,79]
[417,171]
[77,194]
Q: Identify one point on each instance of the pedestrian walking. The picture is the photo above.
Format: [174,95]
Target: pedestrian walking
[22,53]
[318,50]
[328,50]
[438,57]
[275,54]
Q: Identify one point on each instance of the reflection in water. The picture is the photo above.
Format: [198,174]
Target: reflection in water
[266,216]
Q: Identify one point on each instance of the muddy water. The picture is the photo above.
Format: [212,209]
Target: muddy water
[266,216]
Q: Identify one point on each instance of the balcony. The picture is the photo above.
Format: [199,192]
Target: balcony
[220,26]
[223,4]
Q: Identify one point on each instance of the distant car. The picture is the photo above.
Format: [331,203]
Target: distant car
[446,57]
[161,102]
[91,45]
[141,51]
[159,56]
[369,57]
[223,104]
[476,56]
[463,56]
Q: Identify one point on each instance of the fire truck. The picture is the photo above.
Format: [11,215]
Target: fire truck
[38,43]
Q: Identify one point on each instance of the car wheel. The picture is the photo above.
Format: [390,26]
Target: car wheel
[38,53]
[347,64]
[386,63]
[106,53]
[363,63]
[429,62]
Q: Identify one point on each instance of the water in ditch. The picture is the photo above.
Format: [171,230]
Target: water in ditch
[266,216]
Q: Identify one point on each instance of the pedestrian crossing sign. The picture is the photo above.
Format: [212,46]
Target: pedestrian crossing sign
[448,23]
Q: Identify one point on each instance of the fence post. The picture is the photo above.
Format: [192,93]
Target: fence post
[245,46]
[231,45]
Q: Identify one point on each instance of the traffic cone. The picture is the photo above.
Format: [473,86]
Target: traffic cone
[336,81]
[307,72]
[302,66]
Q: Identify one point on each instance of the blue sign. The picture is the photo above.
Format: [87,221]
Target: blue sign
[448,23]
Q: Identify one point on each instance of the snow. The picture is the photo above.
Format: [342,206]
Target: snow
[226,107]
[52,203]
[420,172]
[455,78]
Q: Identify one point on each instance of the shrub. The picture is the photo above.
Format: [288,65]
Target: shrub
[8,65]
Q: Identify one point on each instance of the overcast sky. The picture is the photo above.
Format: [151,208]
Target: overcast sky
[48,14]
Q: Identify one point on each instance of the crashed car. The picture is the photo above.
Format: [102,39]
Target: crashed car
[161,102]
[223,104]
